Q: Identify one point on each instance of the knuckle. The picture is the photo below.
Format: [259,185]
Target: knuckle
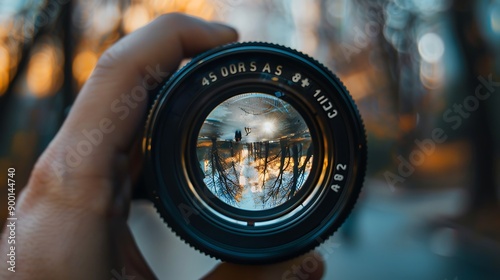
[68,193]
[174,18]
[110,59]
[43,173]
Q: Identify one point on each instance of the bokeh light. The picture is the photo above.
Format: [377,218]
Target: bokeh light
[44,75]
[106,18]
[431,74]
[430,7]
[200,8]
[495,17]
[136,16]
[83,65]
[431,47]
[4,68]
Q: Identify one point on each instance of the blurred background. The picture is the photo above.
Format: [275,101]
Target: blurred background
[424,73]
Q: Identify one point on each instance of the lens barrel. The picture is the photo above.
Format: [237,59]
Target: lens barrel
[254,153]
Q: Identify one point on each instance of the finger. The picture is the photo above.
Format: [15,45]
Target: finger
[309,266]
[111,106]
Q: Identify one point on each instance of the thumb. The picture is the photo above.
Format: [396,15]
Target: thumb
[108,113]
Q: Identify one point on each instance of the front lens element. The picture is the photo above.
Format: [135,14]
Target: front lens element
[255,151]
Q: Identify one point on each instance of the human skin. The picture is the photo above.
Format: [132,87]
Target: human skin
[72,218]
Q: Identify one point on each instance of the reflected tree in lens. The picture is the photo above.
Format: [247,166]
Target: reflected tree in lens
[283,187]
[255,151]
[223,179]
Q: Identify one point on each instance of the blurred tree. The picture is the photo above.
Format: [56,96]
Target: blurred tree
[478,61]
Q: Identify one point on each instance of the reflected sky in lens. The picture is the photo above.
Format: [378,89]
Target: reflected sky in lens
[255,151]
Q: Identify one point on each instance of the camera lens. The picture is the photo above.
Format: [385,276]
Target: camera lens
[255,153]
[263,166]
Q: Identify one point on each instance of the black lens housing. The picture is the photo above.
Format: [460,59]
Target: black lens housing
[174,178]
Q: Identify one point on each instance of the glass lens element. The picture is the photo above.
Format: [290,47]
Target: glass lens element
[255,151]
